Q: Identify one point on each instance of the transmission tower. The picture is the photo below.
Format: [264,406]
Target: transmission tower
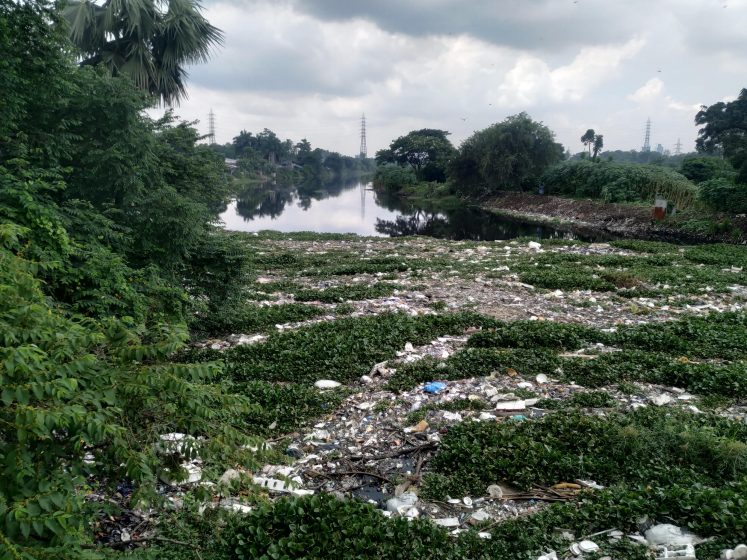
[364,151]
[647,139]
[211,127]
[678,147]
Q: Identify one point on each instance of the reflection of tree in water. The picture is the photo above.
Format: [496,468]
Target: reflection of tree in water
[258,203]
[464,223]
[270,200]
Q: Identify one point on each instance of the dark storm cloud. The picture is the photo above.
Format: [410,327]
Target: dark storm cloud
[521,24]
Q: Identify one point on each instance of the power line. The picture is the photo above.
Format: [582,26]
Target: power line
[678,147]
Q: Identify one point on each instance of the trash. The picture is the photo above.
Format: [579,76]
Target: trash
[467,501]
[402,503]
[434,387]
[367,379]
[566,486]
[417,428]
[409,347]
[661,400]
[737,553]
[511,405]
[541,378]
[686,552]
[666,534]
[582,547]
[478,517]
[280,486]
[552,555]
[447,522]
[188,474]
[495,491]
[534,246]
[518,417]
[590,484]
[176,442]
[229,476]
[452,416]
[235,505]
[327,384]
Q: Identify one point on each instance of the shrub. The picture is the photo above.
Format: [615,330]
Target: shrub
[723,195]
[619,182]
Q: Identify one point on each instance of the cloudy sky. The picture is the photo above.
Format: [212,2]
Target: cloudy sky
[309,68]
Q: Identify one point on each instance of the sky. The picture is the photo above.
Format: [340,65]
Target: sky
[310,68]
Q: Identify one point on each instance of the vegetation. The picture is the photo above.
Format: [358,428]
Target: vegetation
[507,156]
[139,40]
[106,251]
[649,446]
[427,152]
[723,132]
[619,182]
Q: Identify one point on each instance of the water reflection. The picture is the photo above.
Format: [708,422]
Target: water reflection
[352,207]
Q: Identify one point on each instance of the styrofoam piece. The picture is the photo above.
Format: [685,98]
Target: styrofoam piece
[280,486]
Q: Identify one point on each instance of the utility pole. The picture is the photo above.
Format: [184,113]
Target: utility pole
[364,151]
[211,127]
[647,139]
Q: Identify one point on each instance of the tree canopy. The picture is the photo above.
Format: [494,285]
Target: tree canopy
[137,38]
[724,131]
[510,155]
[427,151]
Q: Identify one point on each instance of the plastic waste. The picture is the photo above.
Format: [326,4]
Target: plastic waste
[737,553]
[666,534]
[401,504]
[434,387]
[447,522]
[327,384]
[686,552]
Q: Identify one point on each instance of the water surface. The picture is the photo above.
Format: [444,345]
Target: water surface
[353,207]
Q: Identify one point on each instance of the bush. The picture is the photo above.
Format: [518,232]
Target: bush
[393,178]
[619,182]
[723,195]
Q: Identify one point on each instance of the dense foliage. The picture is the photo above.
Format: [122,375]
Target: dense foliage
[507,156]
[619,182]
[427,152]
[725,131]
[106,251]
[142,41]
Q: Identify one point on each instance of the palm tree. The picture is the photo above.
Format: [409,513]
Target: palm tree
[139,39]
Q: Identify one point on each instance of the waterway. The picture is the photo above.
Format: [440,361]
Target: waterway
[354,207]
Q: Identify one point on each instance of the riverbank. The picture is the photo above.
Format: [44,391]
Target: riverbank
[591,370]
[632,221]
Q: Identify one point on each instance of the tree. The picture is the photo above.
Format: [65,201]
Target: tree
[427,151]
[704,168]
[598,145]
[138,39]
[510,155]
[725,132]
[588,139]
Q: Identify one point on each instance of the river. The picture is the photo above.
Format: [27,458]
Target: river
[353,207]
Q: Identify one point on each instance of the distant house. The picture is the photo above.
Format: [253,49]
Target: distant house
[232,164]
